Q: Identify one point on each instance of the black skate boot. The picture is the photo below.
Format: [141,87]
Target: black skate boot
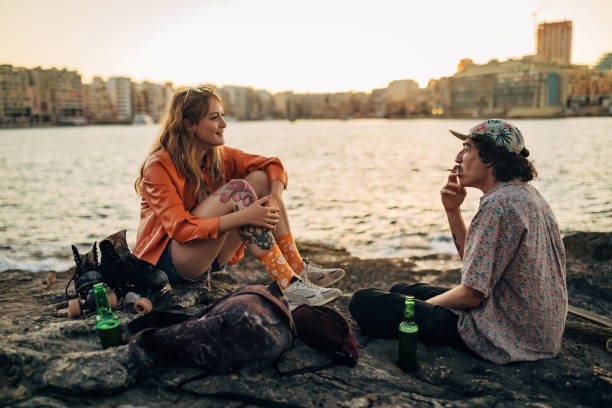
[86,275]
[126,273]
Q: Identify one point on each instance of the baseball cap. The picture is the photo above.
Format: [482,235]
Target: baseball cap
[503,133]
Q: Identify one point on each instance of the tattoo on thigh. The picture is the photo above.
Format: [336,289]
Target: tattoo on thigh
[456,244]
[261,237]
[237,191]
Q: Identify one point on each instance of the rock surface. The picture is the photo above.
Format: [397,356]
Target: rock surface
[47,360]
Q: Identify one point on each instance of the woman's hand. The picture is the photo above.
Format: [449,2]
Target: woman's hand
[261,214]
[453,193]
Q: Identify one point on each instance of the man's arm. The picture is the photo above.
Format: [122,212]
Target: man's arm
[452,195]
[458,229]
[459,297]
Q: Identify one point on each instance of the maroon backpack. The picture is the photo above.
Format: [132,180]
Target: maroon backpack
[252,326]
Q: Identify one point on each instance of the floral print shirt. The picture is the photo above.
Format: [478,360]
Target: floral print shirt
[515,257]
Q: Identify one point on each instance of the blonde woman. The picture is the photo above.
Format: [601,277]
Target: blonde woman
[202,202]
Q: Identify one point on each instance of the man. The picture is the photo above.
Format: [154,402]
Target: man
[511,304]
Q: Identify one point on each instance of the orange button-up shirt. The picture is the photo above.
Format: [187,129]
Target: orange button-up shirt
[167,202]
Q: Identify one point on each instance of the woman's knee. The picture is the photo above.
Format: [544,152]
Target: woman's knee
[259,181]
[238,191]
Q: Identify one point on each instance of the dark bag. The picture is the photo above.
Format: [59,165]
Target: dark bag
[324,329]
[251,327]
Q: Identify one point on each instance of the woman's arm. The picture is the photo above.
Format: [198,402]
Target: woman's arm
[160,193]
[241,163]
[258,214]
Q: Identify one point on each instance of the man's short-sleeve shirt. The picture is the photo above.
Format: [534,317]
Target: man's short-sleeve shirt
[515,257]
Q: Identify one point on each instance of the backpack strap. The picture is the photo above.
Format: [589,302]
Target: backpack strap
[265,293]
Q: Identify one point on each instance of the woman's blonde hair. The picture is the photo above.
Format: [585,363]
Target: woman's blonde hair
[187,107]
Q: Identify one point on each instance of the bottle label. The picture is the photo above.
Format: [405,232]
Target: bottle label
[405,327]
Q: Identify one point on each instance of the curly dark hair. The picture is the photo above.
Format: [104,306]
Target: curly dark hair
[507,165]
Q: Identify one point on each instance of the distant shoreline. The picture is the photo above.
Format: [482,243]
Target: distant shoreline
[437,117]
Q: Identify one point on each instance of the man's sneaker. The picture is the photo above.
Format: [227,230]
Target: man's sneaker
[320,276]
[304,292]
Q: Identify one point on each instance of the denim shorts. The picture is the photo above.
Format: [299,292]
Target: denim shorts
[165,263]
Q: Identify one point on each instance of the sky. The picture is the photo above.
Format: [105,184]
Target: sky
[278,45]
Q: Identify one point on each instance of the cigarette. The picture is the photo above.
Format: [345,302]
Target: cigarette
[451,170]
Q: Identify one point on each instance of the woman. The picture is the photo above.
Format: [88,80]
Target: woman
[202,202]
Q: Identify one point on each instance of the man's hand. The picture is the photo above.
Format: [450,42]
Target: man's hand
[453,193]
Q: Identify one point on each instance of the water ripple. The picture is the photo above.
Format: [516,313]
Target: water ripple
[369,185]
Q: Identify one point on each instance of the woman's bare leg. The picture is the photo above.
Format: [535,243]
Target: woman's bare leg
[232,243]
[193,259]
[260,183]
[282,234]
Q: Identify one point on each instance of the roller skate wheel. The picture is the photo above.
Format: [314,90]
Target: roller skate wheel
[74,308]
[112,300]
[131,297]
[143,306]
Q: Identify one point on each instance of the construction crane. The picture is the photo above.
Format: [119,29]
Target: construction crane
[538,11]
[535,24]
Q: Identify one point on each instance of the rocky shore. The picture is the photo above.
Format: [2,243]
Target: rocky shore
[47,360]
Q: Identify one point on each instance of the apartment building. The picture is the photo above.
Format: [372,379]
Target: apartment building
[40,96]
[526,86]
[554,41]
[120,92]
[98,106]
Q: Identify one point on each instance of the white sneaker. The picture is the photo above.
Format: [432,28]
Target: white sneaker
[321,276]
[305,292]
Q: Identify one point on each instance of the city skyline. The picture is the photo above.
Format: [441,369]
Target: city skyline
[281,46]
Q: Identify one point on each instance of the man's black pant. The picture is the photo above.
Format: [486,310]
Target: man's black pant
[379,313]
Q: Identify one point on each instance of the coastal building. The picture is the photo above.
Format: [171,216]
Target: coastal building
[63,89]
[237,101]
[589,90]
[263,106]
[16,96]
[40,96]
[284,105]
[439,91]
[401,98]
[150,98]
[604,63]
[376,103]
[529,86]
[554,41]
[97,103]
[120,92]
[360,105]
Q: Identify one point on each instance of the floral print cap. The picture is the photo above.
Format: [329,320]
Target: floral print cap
[503,133]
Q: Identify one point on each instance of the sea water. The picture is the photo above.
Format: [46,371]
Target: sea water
[371,186]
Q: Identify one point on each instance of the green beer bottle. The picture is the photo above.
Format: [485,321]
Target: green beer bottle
[106,320]
[408,331]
